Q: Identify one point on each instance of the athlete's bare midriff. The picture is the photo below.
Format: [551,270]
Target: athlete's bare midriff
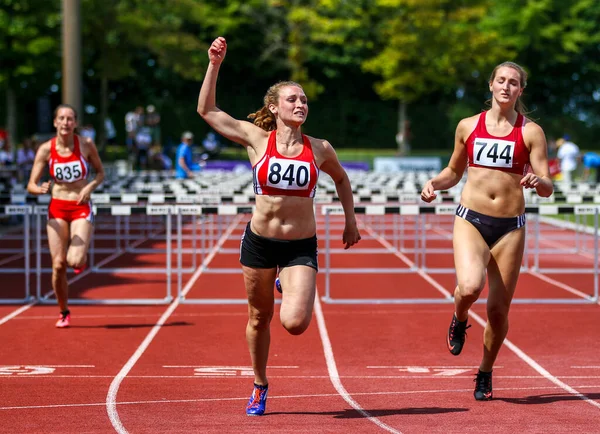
[493,192]
[68,191]
[284,217]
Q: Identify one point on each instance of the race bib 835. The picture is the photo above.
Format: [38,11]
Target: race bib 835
[288,174]
[70,171]
[493,153]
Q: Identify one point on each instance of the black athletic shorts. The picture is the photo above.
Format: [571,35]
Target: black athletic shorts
[261,252]
[490,228]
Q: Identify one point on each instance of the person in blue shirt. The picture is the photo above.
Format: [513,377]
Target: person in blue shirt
[591,160]
[184,164]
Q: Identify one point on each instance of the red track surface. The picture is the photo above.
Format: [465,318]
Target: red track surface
[358,368]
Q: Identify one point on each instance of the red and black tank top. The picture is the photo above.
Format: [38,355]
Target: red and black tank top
[276,174]
[68,169]
[507,153]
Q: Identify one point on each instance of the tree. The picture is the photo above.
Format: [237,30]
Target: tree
[29,46]
[425,46]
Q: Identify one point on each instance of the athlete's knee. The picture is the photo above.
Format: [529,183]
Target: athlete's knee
[497,316]
[470,287]
[76,259]
[59,264]
[258,320]
[295,325]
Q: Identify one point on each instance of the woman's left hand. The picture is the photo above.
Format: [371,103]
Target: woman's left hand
[351,235]
[531,180]
[84,196]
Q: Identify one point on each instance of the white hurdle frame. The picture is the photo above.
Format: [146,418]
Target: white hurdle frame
[411,210]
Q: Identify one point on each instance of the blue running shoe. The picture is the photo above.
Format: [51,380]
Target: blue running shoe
[257,404]
[278,285]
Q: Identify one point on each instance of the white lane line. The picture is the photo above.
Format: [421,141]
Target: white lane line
[70,281]
[404,258]
[354,377]
[11,258]
[559,284]
[291,397]
[111,397]
[333,372]
[533,364]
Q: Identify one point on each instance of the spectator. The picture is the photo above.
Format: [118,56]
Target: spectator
[158,159]
[88,132]
[6,158]
[184,164]
[110,132]
[152,121]
[211,145]
[25,157]
[591,160]
[568,152]
[143,141]
[133,121]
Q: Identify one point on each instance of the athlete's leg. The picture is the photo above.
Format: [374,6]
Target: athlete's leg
[471,257]
[503,273]
[81,235]
[298,297]
[58,240]
[259,288]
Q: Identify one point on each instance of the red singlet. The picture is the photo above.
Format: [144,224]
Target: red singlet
[68,169]
[275,174]
[507,153]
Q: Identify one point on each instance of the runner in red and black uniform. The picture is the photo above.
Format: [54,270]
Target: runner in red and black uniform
[282,231]
[70,217]
[498,145]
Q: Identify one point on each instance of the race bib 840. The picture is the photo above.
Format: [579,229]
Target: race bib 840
[288,174]
[493,153]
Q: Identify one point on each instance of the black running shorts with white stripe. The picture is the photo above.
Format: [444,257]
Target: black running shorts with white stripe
[491,228]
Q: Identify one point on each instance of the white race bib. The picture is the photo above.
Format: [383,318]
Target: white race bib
[288,174]
[493,153]
[68,172]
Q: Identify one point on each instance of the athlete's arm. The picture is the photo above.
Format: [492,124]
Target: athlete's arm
[451,174]
[538,158]
[94,159]
[243,132]
[39,163]
[331,165]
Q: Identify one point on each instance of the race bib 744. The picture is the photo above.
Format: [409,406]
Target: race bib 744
[493,153]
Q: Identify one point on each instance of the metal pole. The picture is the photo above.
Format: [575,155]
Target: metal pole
[327,257]
[71,54]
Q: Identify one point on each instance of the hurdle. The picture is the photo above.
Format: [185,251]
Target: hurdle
[421,251]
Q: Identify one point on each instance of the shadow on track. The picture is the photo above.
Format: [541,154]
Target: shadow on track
[353,414]
[547,399]
[132,326]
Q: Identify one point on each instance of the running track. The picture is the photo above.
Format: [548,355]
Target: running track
[183,368]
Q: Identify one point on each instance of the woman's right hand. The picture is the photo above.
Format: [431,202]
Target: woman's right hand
[217,51]
[428,193]
[45,187]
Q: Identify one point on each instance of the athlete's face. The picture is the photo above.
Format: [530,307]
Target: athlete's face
[65,121]
[506,85]
[293,105]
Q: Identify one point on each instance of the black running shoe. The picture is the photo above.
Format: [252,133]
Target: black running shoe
[456,335]
[483,386]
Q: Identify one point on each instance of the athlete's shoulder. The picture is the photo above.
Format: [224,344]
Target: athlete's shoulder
[319,143]
[44,148]
[530,128]
[466,125]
